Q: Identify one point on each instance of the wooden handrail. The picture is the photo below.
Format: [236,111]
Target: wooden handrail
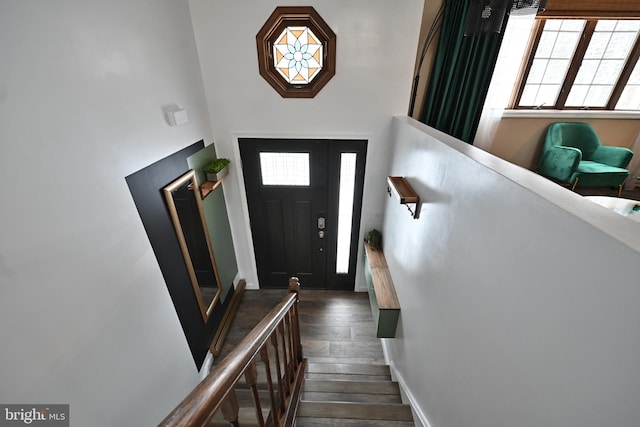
[217,389]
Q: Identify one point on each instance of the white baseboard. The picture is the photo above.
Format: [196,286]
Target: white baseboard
[252,286]
[418,412]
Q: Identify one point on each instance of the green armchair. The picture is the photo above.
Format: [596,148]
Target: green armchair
[572,153]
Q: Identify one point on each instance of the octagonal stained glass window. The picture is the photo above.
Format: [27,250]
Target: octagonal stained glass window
[296,52]
[297,55]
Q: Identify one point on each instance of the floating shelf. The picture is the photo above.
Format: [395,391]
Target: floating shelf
[385,305]
[402,190]
[207,187]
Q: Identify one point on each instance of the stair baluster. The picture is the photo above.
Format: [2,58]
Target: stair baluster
[231,408]
[275,410]
[251,375]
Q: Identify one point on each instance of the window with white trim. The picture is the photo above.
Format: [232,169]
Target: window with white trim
[582,64]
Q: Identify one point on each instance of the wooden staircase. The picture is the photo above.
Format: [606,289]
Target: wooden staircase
[335,394]
[340,378]
[351,394]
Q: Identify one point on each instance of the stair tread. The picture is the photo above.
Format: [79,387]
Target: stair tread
[345,386]
[323,396]
[323,422]
[347,377]
[348,368]
[337,359]
[351,410]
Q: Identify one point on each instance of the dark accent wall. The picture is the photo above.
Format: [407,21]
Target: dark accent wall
[146,188]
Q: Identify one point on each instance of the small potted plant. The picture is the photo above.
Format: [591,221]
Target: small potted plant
[374,239]
[216,169]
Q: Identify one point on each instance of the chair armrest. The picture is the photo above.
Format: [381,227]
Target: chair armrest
[618,157]
[559,162]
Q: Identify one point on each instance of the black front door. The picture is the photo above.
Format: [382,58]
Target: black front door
[292,192]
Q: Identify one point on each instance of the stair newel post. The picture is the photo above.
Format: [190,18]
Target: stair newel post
[264,354]
[231,408]
[251,376]
[294,286]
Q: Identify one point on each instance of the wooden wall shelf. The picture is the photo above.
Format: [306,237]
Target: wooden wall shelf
[398,187]
[402,190]
[208,186]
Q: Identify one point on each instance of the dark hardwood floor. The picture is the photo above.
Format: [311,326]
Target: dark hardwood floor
[335,326]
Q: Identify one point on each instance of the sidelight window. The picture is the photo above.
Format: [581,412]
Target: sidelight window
[345,210]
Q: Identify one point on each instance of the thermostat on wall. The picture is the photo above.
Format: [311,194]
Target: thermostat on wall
[177,117]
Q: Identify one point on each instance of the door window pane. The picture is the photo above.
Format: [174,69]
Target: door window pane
[285,169]
[345,210]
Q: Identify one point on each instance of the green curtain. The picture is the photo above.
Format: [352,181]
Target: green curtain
[461,75]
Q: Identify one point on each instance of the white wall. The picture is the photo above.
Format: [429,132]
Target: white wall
[519,298]
[376,45]
[85,317]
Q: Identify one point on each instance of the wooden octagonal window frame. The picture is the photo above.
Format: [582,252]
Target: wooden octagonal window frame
[297,20]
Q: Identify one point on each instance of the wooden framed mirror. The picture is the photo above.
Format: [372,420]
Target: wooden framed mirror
[185,208]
